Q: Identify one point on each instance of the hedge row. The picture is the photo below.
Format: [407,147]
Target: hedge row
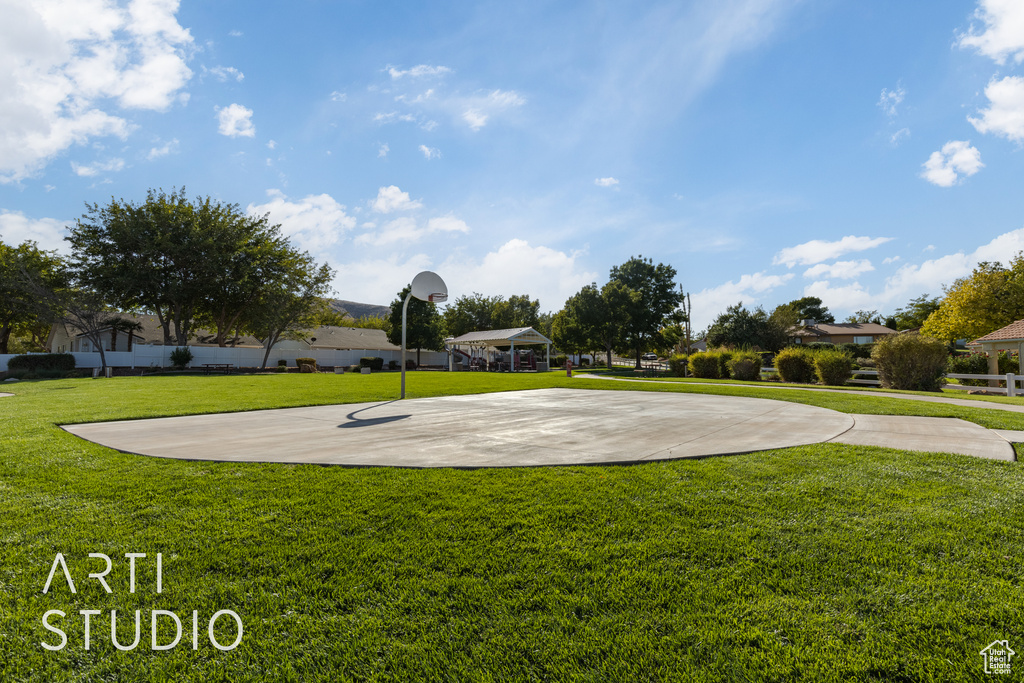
[42,361]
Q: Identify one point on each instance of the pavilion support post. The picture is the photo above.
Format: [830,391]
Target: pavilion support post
[993,365]
[512,357]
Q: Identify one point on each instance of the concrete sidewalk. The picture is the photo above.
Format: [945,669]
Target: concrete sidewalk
[529,428]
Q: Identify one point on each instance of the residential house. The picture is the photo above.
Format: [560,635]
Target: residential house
[838,333]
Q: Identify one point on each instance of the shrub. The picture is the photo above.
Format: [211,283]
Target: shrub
[181,356]
[910,361]
[705,365]
[410,364]
[375,364]
[832,367]
[282,368]
[354,368]
[392,365]
[745,365]
[42,361]
[558,361]
[724,356]
[282,363]
[817,346]
[795,364]
[677,365]
[311,362]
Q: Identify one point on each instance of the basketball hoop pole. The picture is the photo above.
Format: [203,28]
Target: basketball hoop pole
[428,287]
[405,308]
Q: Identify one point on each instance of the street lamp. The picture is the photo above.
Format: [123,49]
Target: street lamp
[426,286]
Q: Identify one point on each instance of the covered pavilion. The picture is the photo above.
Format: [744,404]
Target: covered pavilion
[485,348]
[1009,338]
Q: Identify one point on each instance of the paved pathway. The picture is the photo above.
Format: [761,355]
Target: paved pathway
[528,428]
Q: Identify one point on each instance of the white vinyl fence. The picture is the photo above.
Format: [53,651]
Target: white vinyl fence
[142,356]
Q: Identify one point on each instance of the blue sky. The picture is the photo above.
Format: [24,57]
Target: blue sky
[866,152]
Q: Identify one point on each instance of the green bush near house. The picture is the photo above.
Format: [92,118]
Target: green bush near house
[796,365]
[724,356]
[911,361]
[310,362]
[705,365]
[282,363]
[677,365]
[832,367]
[977,364]
[35,362]
[745,365]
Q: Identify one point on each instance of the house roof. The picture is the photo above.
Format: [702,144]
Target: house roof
[1012,332]
[831,330]
[351,338]
[326,337]
[519,335]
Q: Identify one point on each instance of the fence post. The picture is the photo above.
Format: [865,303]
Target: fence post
[1011,384]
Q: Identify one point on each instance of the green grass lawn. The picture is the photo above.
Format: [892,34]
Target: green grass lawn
[825,562]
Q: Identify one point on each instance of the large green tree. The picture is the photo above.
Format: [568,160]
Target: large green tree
[189,262]
[479,312]
[291,307]
[806,308]
[913,315]
[652,303]
[425,328]
[739,327]
[22,269]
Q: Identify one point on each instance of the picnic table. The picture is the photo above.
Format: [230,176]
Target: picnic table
[209,367]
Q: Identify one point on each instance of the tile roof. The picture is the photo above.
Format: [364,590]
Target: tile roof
[1011,332]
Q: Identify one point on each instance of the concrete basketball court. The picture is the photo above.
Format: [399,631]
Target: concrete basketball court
[530,428]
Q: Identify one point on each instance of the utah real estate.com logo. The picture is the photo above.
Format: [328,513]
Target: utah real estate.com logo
[997,657]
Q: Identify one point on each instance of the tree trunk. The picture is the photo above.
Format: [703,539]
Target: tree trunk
[5,337]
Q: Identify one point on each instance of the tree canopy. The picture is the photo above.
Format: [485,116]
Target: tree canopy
[806,308]
[425,328]
[189,262]
[22,312]
[992,296]
[739,327]
[651,304]
[479,312]
[913,315]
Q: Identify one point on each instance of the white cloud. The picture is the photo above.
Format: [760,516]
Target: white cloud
[382,153]
[271,144]
[393,116]
[379,280]
[235,34]
[891,99]
[710,302]
[337,96]
[430,152]
[1005,115]
[817,251]
[316,222]
[891,259]
[234,121]
[109,166]
[418,71]
[516,267]
[477,110]
[223,73]
[402,230]
[48,233]
[843,270]
[65,67]
[448,223]
[406,230]
[1004,30]
[845,298]
[956,159]
[168,147]
[912,280]
[899,136]
[605,182]
[391,198]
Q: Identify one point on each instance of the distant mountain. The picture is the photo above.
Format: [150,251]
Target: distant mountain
[354,309]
